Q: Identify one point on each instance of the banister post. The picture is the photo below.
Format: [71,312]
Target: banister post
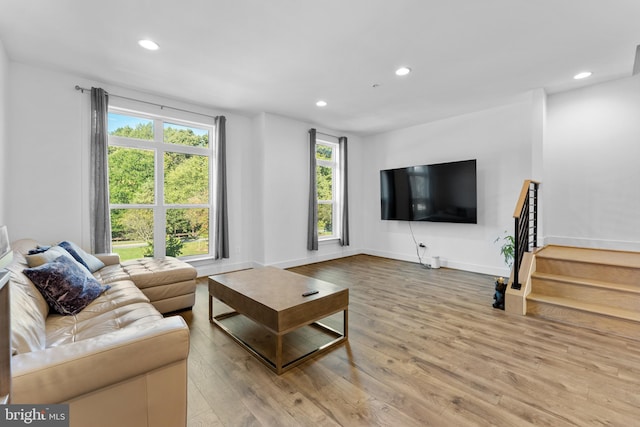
[535,214]
[516,255]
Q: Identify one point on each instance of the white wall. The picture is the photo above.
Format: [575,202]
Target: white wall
[592,166]
[256,159]
[4,108]
[44,198]
[501,141]
[284,194]
[49,155]
[266,172]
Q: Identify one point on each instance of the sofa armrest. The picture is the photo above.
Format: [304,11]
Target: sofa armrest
[58,374]
[108,259]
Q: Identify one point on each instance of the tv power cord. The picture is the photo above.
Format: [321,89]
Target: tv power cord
[424,250]
[418,247]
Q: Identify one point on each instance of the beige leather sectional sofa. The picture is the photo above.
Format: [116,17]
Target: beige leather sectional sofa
[119,361]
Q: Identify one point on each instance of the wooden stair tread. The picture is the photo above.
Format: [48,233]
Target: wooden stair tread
[587,282]
[583,306]
[593,256]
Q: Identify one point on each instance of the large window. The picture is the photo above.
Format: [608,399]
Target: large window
[327,180]
[159,186]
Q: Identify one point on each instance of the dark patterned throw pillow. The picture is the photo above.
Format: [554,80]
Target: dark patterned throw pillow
[66,285]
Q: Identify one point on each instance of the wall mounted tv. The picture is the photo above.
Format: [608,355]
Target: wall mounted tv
[443,192]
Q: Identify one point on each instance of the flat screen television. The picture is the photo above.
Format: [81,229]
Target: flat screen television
[443,192]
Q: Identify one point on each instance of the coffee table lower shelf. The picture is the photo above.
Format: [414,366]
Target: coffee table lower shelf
[278,365]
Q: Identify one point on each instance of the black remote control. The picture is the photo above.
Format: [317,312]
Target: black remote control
[306,294]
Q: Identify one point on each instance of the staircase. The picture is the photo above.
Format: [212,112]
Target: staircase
[596,289]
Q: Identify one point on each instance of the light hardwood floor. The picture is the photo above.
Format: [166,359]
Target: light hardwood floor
[425,348]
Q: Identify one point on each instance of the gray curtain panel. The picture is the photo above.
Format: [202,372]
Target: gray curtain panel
[344,174]
[100,221]
[221,236]
[312,224]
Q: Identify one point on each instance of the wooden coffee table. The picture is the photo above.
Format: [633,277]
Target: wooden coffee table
[273,298]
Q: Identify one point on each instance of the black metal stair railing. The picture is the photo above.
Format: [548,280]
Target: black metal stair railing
[526,227]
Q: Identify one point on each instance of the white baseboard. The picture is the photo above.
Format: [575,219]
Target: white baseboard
[208,268]
[212,268]
[447,263]
[316,258]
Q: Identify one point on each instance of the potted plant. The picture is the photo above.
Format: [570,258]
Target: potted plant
[507,250]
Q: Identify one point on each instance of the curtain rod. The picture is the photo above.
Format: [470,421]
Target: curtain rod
[82,89]
[328,134]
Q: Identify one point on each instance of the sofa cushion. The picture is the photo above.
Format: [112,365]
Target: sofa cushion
[119,294]
[148,272]
[36,259]
[29,311]
[62,330]
[87,260]
[21,248]
[111,273]
[66,285]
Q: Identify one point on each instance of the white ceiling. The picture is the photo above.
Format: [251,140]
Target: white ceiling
[281,56]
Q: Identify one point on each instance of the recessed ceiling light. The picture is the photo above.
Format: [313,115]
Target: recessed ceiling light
[321,103]
[582,75]
[149,44]
[403,71]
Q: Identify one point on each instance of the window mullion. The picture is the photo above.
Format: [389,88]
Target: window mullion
[160,212]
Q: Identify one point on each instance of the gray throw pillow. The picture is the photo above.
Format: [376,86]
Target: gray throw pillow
[92,263]
[38,258]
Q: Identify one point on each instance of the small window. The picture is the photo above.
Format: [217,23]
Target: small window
[326,186]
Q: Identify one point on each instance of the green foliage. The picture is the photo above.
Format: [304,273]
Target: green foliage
[137,223]
[173,247]
[324,178]
[131,250]
[325,219]
[141,131]
[149,250]
[323,152]
[191,223]
[186,179]
[131,176]
[508,248]
[183,136]
[324,186]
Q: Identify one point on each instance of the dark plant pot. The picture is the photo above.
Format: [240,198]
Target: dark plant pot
[498,296]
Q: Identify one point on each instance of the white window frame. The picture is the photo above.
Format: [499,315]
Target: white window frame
[159,147]
[334,164]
